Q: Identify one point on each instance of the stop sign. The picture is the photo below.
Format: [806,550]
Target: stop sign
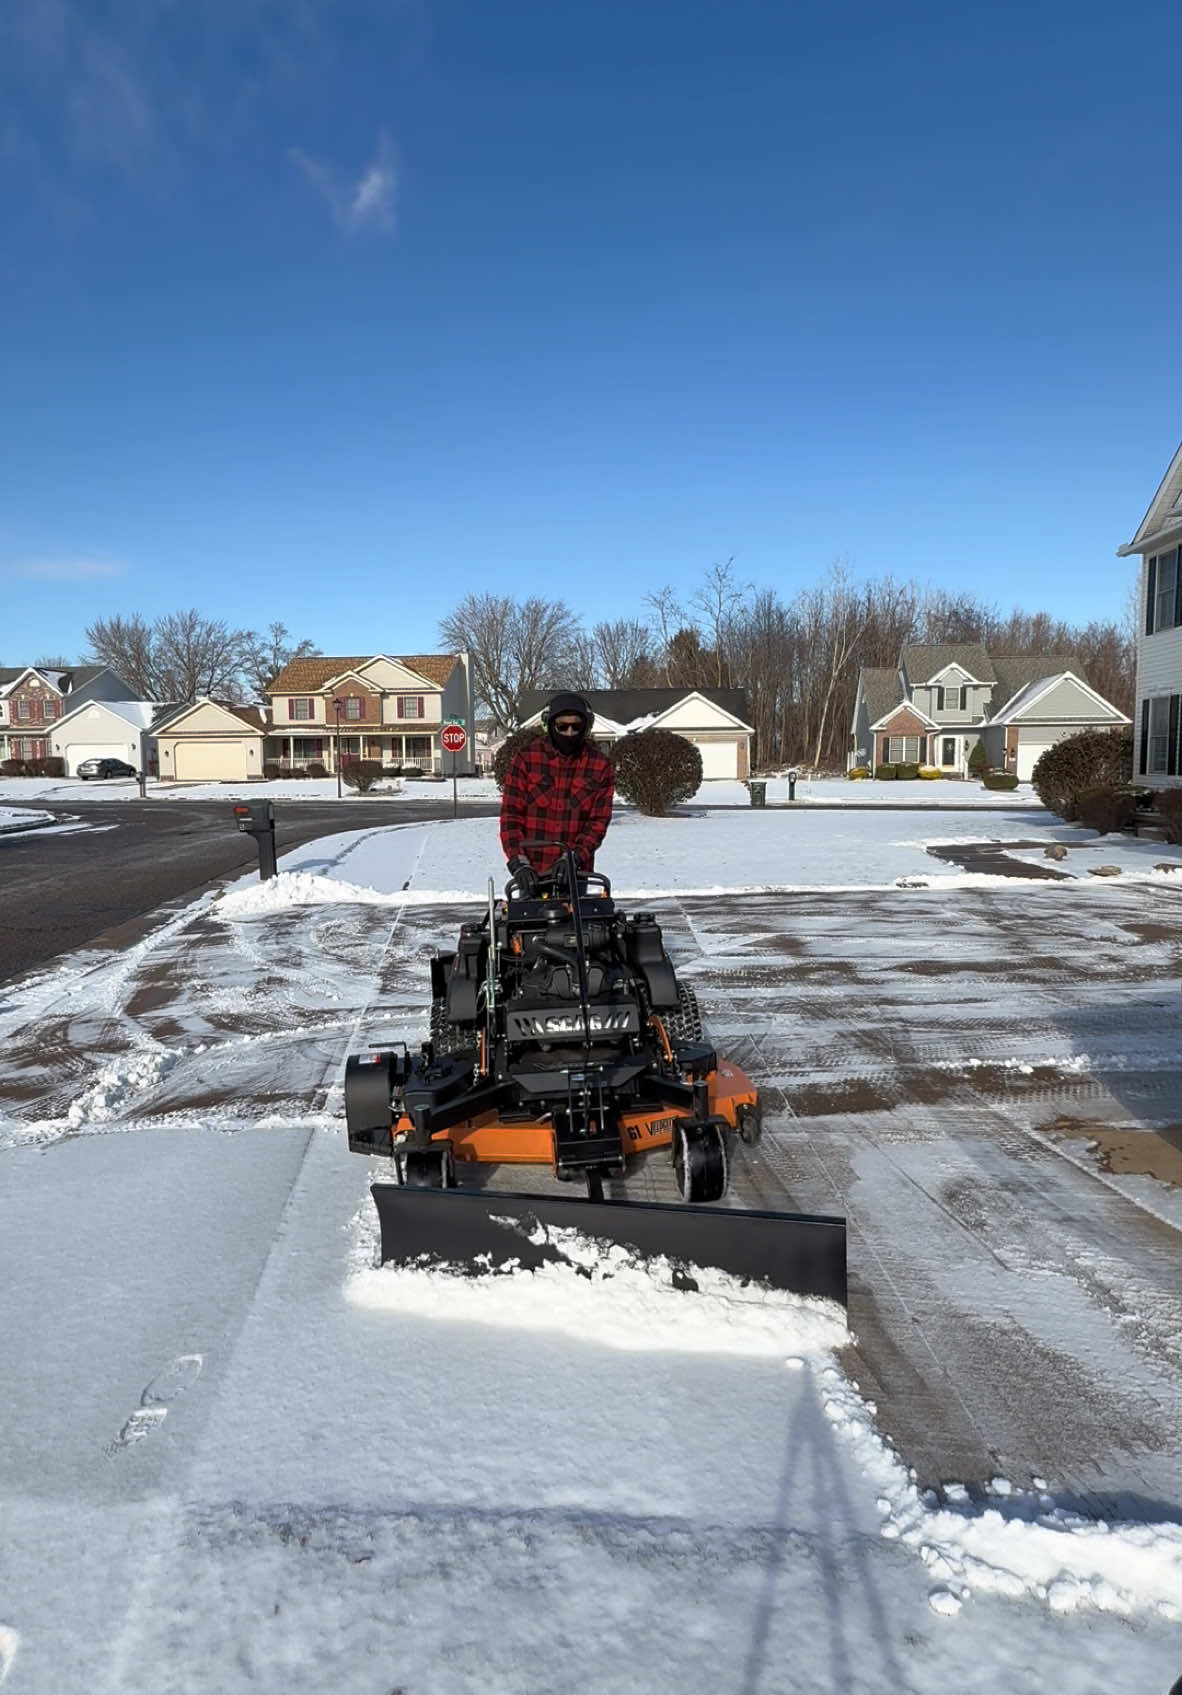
[454,738]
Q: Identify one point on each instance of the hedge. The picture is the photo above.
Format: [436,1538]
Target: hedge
[999,779]
[1092,759]
[656,769]
[1105,809]
[907,772]
[1169,807]
[886,773]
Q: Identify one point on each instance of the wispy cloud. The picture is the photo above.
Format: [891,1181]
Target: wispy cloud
[368,202]
[65,570]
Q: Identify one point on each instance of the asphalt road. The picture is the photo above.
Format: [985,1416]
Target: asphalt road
[117,866]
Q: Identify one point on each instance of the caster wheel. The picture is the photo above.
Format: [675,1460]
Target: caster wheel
[429,1168]
[749,1124]
[699,1162]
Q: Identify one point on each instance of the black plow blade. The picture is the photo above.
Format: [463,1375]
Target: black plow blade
[478,1231]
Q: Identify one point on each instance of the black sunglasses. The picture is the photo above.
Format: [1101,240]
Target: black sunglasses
[569,729]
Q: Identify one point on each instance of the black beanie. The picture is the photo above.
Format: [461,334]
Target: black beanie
[568,705]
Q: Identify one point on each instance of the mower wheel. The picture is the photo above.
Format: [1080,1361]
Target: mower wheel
[684,1025]
[749,1124]
[699,1161]
[429,1168]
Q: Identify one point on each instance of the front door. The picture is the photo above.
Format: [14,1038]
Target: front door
[948,751]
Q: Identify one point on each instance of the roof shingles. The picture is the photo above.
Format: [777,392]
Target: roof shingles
[308,676]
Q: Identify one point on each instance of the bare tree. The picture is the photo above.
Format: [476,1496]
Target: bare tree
[622,652]
[670,616]
[513,646]
[263,657]
[53,662]
[127,647]
[718,598]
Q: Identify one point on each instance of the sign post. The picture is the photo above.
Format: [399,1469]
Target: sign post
[453,738]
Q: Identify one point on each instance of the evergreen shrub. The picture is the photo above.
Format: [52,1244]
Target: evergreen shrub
[656,769]
[999,779]
[1169,808]
[886,773]
[1092,759]
[361,774]
[1105,809]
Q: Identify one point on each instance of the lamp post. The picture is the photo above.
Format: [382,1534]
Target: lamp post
[337,706]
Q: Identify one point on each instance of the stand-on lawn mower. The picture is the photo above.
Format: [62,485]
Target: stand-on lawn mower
[561,1036]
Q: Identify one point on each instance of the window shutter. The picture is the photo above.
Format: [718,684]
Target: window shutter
[964,696]
[1143,762]
[1150,592]
[1172,751]
[290,707]
[1178,588]
[422,714]
[400,706]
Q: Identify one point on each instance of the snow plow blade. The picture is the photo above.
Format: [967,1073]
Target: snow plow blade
[477,1231]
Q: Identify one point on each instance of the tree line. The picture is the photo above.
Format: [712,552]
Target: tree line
[798,660]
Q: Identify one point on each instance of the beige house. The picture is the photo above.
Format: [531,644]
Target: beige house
[1158,714]
[714,720]
[320,711]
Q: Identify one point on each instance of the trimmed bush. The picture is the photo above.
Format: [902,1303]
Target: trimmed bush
[1105,809]
[411,771]
[361,774]
[391,770]
[270,769]
[1169,807]
[317,769]
[978,760]
[1093,759]
[656,769]
[13,768]
[886,773]
[929,773]
[907,772]
[858,772]
[999,779]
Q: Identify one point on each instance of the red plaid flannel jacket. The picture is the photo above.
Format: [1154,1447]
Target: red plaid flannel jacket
[556,797]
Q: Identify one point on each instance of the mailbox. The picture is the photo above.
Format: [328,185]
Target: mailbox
[257,818]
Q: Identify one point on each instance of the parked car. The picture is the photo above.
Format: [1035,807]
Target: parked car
[105,768]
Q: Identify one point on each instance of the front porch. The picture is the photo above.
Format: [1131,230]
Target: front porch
[292,754]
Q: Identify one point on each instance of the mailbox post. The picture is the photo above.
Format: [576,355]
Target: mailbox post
[792,785]
[257,818]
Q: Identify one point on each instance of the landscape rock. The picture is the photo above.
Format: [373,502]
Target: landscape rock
[1055,851]
[1104,871]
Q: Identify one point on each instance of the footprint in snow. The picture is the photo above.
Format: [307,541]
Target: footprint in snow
[170,1382]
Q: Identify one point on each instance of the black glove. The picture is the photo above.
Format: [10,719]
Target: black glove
[525,877]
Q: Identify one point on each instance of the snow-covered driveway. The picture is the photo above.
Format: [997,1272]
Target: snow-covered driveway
[237,1457]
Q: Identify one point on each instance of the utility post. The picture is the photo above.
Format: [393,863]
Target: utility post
[338,706]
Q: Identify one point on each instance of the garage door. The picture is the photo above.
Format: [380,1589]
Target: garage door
[719,759]
[210,762]
[1031,751]
[76,752]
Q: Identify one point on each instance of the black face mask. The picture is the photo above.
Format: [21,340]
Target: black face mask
[568,745]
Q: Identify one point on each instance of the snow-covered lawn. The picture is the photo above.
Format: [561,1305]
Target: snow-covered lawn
[238,1456]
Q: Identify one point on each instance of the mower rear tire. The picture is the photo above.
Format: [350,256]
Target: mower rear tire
[700,1162]
[684,1024]
[749,1124]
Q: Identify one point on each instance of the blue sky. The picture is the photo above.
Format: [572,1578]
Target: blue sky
[333,310]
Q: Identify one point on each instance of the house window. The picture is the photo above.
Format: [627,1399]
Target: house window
[307,747]
[24,710]
[411,706]
[354,708]
[300,708]
[948,750]
[1159,735]
[902,750]
[1162,610]
[952,699]
[418,750]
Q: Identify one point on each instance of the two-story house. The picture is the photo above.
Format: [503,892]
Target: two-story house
[319,711]
[939,701]
[34,700]
[1157,756]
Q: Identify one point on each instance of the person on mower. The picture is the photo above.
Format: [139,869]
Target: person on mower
[558,790]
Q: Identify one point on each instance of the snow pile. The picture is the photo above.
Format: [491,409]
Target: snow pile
[611,1299]
[293,888]
[117,1082]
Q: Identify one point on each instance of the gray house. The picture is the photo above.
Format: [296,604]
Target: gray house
[939,701]
[1157,756]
